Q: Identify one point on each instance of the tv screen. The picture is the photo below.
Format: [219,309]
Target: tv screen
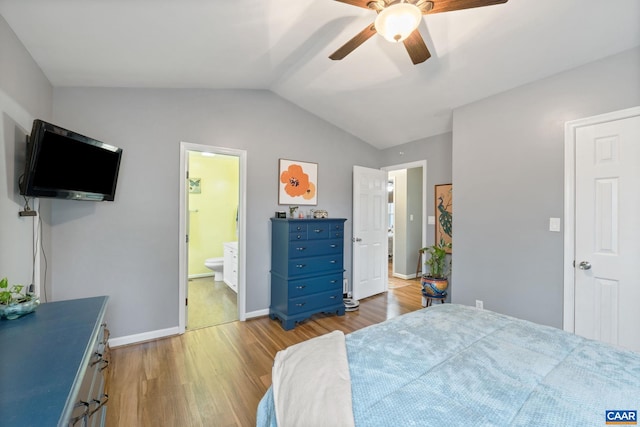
[67,165]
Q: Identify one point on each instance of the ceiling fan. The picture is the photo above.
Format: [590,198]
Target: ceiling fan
[398,21]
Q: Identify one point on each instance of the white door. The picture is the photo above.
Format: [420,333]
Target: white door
[607,232]
[370,239]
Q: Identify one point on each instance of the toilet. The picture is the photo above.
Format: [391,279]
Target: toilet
[215,265]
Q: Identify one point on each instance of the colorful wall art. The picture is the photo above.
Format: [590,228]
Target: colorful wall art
[444,216]
[298,183]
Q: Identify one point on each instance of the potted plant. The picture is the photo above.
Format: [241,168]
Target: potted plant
[435,282]
[14,303]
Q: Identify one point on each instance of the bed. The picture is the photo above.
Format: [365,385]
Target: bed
[451,365]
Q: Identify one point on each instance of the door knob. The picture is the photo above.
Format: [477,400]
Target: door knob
[584,265]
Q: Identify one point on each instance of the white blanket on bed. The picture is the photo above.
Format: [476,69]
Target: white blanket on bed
[311,383]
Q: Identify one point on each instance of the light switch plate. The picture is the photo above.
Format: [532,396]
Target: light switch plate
[431,220]
[554,224]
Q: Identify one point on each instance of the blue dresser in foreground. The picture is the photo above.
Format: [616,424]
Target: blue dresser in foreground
[307,268]
[53,365]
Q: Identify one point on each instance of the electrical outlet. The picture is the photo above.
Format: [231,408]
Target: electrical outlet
[479,304]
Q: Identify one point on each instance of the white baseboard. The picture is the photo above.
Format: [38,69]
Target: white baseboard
[257,313]
[404,276]
[201,275]
[145,336]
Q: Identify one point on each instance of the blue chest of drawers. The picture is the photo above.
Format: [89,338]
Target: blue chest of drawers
[307,267]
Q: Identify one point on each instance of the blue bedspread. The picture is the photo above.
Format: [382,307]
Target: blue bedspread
[452,365]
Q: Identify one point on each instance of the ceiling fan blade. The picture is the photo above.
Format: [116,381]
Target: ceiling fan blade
[449,5]
[350,46]
[359,3]
[417,48]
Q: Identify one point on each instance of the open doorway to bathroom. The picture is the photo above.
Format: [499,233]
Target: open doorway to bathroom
[212,212]
[212,200]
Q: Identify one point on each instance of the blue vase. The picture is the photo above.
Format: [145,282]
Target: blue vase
[18,309]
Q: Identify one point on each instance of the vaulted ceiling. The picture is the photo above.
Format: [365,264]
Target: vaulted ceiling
[375,93]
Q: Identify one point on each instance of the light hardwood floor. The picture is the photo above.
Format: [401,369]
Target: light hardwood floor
[216,376]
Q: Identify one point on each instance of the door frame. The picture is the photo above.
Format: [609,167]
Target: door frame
[183,272]
[570,132]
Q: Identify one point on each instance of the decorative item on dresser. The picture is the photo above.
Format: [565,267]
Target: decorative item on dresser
[58,359]
[307,259]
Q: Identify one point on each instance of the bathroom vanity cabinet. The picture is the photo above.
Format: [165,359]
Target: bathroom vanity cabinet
[55,365]
[230,265]
[307,268]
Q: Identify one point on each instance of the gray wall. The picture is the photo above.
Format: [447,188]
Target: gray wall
[508,167]
[25,94]
[414,226]
[128,248]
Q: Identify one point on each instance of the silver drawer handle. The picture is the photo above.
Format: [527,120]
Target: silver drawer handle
[301,287]
[318,230]
[84,416]
[333,261]
[98,359]
[100,403]
[333,246]
[333,297]
[298,237]
[300,266]
[334,281]
[301,249]
[300,304]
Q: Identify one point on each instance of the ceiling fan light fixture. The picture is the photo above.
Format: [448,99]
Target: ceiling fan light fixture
[396,22]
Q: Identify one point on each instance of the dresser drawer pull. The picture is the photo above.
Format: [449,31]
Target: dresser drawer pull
[301,249]
[333,261]
[298,228]
[98,359]
[334,281]
[333,246]
[300,304]
[333,297]
[84,416]
[100,403]
[105,334]
[301,286]
[319,230]
[299,237]
[300,265]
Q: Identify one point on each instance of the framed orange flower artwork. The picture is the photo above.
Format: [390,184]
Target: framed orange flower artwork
[298,183]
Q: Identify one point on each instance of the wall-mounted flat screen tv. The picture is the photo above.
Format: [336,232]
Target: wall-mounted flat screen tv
[67,165]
